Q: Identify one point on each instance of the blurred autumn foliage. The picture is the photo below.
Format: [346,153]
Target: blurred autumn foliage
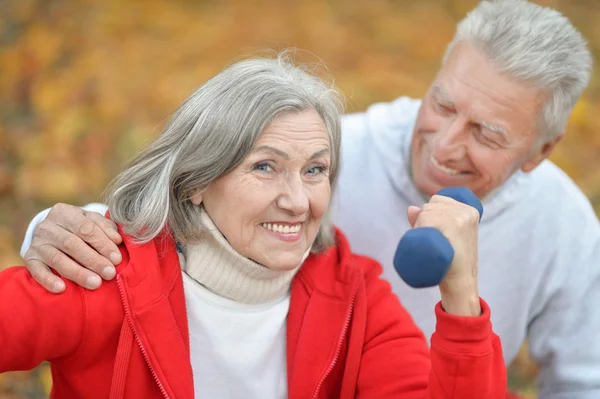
[84,83]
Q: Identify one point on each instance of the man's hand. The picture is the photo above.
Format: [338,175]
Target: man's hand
[71,241]
[459,224]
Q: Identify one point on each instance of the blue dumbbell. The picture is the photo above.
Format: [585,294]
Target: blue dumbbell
[424,255]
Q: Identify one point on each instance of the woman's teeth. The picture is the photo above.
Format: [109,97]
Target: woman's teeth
[443,168]
[279,228]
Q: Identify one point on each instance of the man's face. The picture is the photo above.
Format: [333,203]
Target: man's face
[475,127]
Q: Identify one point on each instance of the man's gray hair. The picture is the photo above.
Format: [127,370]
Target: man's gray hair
[209,135]
[537,45]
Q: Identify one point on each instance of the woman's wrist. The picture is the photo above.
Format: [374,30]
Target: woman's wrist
[461,298]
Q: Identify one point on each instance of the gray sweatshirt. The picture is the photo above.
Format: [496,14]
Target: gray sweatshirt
[539,248]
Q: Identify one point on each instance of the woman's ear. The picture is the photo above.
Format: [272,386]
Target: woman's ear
[197,198]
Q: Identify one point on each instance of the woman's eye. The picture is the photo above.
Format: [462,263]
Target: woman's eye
[315,170]
[263,167]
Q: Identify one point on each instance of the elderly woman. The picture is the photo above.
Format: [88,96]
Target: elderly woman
[233,282]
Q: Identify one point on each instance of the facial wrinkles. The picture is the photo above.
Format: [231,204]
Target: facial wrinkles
[449,145]
[474,70]
[489,104]
[468,94]
[289,180]
[278,165]
[299,150]
[268,187]
[244,184]
[310,130]
[478,117]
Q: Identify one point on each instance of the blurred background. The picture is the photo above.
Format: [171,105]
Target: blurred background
[85,83]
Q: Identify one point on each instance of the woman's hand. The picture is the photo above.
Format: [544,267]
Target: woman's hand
[71,241]
[459,224]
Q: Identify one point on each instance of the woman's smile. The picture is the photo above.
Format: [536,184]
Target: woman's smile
[284,231]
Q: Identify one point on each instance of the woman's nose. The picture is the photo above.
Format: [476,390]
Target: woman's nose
[294,198]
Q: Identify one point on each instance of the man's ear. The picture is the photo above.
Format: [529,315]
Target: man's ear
[540,154]
[197,198]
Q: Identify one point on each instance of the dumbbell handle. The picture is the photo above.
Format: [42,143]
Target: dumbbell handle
[424,255]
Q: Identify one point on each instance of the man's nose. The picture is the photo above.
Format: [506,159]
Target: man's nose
[451,140]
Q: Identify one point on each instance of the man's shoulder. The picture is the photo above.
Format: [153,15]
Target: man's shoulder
[398,112]
[383,127]
[554,188]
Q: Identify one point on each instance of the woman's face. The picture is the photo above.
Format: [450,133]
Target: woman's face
[270,207]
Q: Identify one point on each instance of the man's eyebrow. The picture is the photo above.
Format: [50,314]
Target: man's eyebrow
[284,155]
[494,129]
[444,95]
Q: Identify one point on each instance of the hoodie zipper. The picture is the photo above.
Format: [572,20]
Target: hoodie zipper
[137,338]
[339,345]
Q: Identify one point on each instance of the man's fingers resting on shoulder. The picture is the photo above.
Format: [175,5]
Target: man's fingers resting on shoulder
[102,235]
[41,258]
[108,226]
[42,274]
[91,238]
[55,246]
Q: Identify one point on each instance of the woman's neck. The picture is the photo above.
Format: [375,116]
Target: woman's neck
[214,263]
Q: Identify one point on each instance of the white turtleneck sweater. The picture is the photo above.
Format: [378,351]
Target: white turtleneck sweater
[237,313]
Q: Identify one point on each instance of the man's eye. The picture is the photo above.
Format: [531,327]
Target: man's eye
[485,139]
[443,108]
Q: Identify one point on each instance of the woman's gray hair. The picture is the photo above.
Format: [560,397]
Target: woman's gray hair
[209,135]
[537,45]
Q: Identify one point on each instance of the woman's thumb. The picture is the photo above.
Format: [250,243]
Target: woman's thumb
[413,213]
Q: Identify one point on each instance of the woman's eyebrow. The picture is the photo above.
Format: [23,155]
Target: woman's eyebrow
[266,148]
[320,153]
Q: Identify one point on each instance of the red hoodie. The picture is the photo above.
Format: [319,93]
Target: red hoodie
[347,334]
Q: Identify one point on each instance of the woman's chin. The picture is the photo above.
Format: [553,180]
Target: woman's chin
[283,262]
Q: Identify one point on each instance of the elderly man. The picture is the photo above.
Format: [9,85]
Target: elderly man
[492,116]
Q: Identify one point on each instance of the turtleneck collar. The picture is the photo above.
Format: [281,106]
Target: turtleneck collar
[214,263]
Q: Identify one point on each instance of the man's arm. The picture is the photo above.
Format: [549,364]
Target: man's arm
[65,238]
[564,340]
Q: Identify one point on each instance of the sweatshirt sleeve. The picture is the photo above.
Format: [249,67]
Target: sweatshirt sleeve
[35,325]
[466,356]
[93,207]
[465,360]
